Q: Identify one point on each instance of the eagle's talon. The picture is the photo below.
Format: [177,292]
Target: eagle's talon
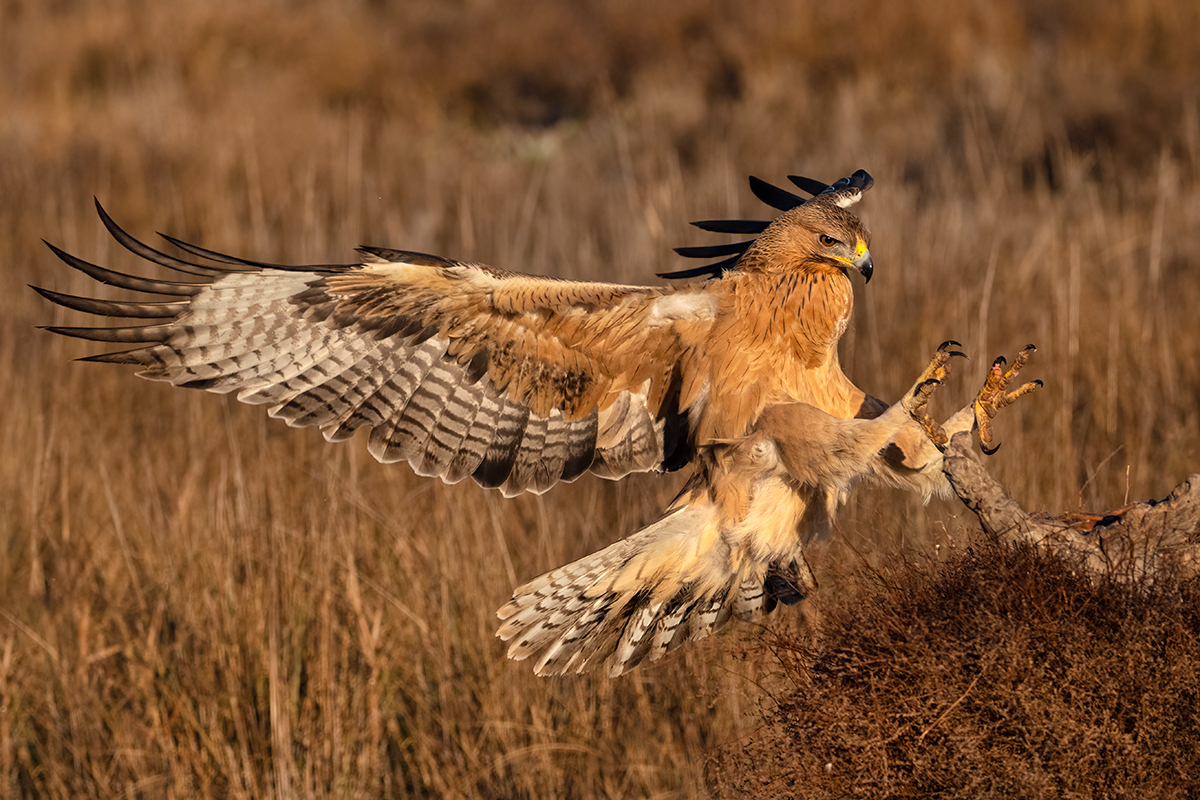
[916,400]
[994,395]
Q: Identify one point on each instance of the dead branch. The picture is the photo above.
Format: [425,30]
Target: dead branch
[1133,543]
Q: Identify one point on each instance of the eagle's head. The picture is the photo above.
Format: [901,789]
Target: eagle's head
[819,236]
[823,234]
[814,235]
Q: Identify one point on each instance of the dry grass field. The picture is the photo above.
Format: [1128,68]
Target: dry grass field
[196,601]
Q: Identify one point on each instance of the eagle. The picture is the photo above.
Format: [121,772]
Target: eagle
[520,381]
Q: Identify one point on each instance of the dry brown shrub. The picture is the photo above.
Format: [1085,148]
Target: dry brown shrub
[996,673]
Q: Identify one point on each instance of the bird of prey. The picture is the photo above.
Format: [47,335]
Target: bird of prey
[520,381]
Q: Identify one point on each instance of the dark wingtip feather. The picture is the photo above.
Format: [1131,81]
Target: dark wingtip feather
[123,281]
[813,187]
[213,255]
[713,250]
[110,308]
[142,250]
[235,264]
[715,270]
[737,226]
[122,357]
[134,335]
[774,196]
[53,297]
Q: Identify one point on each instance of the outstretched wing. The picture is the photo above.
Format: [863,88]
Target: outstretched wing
[459,369]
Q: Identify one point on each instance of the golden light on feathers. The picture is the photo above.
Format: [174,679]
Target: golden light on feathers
[520,382]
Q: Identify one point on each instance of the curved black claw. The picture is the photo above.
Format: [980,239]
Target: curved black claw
[945,346]
[989,451]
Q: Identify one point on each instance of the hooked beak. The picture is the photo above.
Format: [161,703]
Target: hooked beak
[863,263]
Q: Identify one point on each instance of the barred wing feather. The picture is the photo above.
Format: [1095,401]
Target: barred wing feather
[459,369]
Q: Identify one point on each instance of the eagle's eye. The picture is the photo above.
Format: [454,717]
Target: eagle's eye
[828,241]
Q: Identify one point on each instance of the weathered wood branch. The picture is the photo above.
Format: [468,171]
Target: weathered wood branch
[1133,543]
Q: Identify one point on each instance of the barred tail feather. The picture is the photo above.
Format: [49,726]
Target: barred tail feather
[673,581]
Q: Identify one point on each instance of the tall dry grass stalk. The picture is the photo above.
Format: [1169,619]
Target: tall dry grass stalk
[196,600]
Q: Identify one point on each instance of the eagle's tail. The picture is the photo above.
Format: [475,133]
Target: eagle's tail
[675,580]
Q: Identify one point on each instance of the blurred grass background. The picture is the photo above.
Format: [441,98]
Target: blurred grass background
[198,601]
